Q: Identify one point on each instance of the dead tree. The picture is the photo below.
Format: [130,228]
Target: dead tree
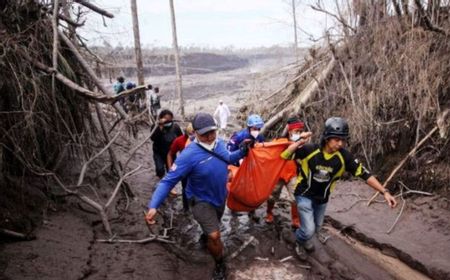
[177,59]
[294,16]
[137,43]
[75,86]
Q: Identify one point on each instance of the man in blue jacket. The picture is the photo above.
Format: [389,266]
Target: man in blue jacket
[250,133]
[204,163]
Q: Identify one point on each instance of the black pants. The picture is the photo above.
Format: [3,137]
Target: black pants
[160,164]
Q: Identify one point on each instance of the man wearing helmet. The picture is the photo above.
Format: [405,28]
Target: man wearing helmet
[245,137]
[250,133]
[321,166]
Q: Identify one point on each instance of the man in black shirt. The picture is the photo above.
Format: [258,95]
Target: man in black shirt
[321,166]
[162,138]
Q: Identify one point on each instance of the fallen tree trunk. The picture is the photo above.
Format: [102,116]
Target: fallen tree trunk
[302,98]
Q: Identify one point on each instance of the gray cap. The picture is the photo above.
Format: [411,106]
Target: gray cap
[203,123]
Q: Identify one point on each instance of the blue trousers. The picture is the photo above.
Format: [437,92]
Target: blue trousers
[311,217]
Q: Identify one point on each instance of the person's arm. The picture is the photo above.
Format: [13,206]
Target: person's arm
[357,169]
[289,152]
[179,170]
[376,185]
[233,143]
[236,156]
[175,147]
[169,159]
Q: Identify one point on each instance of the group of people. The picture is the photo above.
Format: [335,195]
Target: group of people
[139,101]
[200,160]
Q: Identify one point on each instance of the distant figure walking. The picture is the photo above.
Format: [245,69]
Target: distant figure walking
[153,102]
[118,87]
[223,113]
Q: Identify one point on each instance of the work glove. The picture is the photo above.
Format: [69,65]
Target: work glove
[245,146]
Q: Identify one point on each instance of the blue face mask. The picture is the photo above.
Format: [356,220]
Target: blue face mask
[168,124]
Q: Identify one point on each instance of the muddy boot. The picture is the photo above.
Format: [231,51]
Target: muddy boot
[269,214]
[301,252]
[294,216]
[309,246]
[219,271]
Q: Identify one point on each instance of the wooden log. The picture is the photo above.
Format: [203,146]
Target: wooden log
[302,98]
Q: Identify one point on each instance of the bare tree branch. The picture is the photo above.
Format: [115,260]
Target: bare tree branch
[338,18]
[94,8]
[91,73]
[116,189]
[426,20]
[400,165]
[86,164]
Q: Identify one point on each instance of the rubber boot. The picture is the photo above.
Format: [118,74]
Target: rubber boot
[269,214]
[294,216]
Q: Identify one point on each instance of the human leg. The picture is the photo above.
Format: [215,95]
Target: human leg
[160,165]
[319,214]
[306,213]
[306,230]
[271,201]
[290,187]
[209,217]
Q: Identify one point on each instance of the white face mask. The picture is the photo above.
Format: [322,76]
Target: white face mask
[295,137]
[254,133]
[209,147]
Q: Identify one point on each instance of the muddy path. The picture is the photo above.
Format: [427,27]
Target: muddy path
[66,246]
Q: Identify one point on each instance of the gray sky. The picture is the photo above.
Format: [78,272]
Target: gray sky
[206,23]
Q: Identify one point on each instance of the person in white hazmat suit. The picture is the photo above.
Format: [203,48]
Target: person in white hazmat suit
[221,114]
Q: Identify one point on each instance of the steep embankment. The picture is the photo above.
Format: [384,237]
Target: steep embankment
[392,83]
